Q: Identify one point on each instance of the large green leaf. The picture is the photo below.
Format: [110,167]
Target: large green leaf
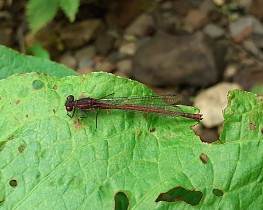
[12,62]
[49,161]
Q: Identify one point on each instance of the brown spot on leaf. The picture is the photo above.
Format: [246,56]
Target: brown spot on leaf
[21,148]
[77,124]
[203,157]
[252,126]
[218,192]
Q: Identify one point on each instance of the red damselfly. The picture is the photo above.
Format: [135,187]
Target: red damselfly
[162,105]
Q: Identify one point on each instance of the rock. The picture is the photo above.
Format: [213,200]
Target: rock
[248,77]
[219,2]
[167,21]
[127,11]
[214,31]
[207,6]
[243,27]
[140,26]
[257,39]
[167,60]
[127,48]
[230,71]
[195,20]
[183,7]
[104,43]
[102,64]
[251,47]
[113,57]
[84,57]
[212,102]
[86,31]
[68,60]
[124,67]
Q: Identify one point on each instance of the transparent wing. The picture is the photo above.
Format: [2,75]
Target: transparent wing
[144,101]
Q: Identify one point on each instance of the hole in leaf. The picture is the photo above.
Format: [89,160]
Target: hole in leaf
[203,157]
[121,201]
[26,116]
[37,84]
[252,126]
[181,194]
[54,111]
[13,183]
[18,101]
[218,192]
[152,130]
[21,148]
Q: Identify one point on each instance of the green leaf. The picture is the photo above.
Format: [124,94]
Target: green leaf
[38,51]
[12,62]
[40,12]
[50,161]
[70,7]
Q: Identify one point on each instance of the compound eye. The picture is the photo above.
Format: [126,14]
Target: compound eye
[69,108]
[70,98]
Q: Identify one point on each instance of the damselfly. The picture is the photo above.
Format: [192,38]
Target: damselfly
[162,105]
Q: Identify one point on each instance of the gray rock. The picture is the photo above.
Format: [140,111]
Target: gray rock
[127,49]
[245,23]
[86,31]
[195,19]
[167,60]
[140,26]
[68,60]
[103,64]
[124,67]
[213,31]
[249,76]
[104,43]
[84,57]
